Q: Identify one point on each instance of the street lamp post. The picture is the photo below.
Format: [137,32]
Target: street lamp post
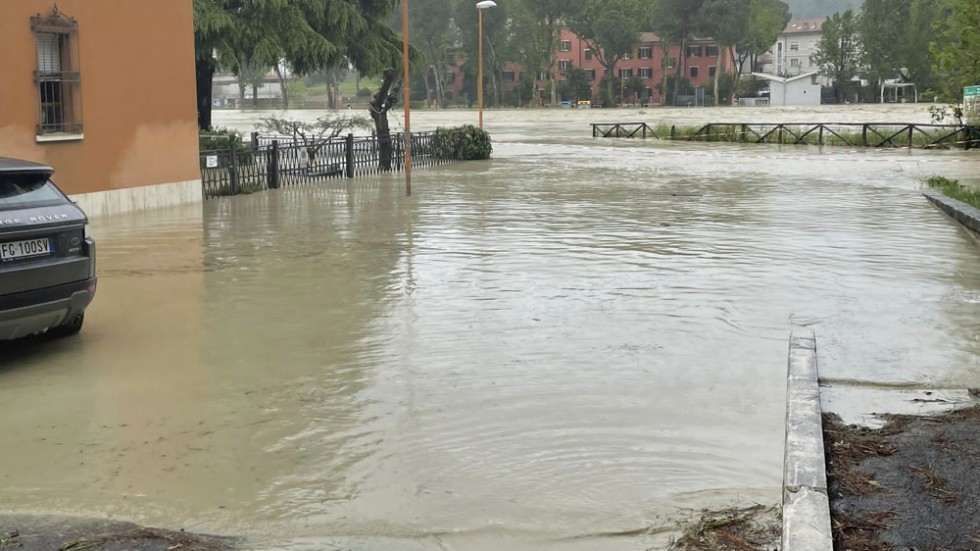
[480,6]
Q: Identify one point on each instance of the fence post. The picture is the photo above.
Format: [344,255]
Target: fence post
[780,134]
[233,173]
[745,132]
[349,153]
[273,166]
[864,136]
[910,136]
[255,141]
[821,135]
[673,131]
[644,131]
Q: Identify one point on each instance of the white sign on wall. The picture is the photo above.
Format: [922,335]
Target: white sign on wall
[212,161]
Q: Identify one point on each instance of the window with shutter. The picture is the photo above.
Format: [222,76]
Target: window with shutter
[57,77]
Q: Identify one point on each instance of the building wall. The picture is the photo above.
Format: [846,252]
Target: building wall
[577,57]
[794,92]
[139,113]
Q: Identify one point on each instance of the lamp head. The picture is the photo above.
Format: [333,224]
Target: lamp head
[486,4]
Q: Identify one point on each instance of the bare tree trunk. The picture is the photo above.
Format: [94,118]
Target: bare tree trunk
[718,76]
[681,68]
[242,85]
[494,74]
[428,90]
[440,89]
[383,101]
[255,95]
[282,86]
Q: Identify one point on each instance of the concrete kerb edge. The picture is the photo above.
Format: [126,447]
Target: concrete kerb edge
[806,505]
[963,213]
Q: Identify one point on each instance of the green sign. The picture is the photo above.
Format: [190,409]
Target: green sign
[971,92]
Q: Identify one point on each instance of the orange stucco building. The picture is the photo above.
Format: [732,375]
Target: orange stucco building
[103,91]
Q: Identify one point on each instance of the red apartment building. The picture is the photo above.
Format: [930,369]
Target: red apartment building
[646,61]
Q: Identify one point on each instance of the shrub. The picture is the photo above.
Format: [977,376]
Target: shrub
[364,93]
[462,143]
[224,139]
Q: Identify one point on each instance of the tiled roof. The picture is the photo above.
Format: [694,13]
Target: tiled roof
[800,26]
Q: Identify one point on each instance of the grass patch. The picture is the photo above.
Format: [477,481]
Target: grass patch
[756,528]
[955,190]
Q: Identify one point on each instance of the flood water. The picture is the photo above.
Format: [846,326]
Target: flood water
[572,346]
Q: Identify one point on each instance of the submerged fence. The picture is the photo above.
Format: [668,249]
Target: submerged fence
[271,162]
[876,135]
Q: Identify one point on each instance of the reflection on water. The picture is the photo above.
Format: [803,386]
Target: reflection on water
[576,340]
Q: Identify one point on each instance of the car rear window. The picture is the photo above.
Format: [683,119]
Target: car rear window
[18,190]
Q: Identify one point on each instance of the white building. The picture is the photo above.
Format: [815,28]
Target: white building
[792,54]
[797,90]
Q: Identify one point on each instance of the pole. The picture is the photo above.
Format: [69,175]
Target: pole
[479,81]
[408,107]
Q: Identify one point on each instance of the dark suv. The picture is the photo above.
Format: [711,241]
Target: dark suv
[47,260]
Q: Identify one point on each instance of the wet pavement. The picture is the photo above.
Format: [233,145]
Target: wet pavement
[571,346]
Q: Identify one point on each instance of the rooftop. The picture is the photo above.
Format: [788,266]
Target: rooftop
[800,26]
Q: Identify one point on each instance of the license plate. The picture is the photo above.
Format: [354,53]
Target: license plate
[24,249]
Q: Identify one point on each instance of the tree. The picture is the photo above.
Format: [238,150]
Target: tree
[550,16]
[767,19]
[495,35]
[430,31]
[306,34]
[314,135]
[727,21]
[957,49]
[576,85]
[610,28]
[883,27]
[839,53]
[676,21]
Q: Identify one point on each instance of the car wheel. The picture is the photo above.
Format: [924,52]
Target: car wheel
[67,329]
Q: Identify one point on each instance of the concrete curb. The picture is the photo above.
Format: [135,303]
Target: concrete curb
[806,506]
[958,210]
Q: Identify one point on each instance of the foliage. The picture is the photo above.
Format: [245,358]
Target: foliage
[221,138]
[955,190]
[895,38]
[840,51]
[676,21]
[431,32]
[306,34]
[610,28]
[957,48]
[314,134]
[462,143]
[364,93]
[576,85]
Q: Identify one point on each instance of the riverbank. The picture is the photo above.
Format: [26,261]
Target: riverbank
[908,485]
[49,532]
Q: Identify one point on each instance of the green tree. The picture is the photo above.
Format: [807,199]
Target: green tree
[306,34]
[676,21]
[839,53]
[767,19]
[957,48]
[610,28]
[727,21]
[576,85]
[431,33]
[550,16]
[495,39]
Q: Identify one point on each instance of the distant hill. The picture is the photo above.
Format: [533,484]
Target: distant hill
[805,9]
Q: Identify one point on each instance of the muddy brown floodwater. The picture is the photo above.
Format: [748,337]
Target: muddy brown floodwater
[572,346]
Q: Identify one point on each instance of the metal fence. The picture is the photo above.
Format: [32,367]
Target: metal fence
[271,162]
